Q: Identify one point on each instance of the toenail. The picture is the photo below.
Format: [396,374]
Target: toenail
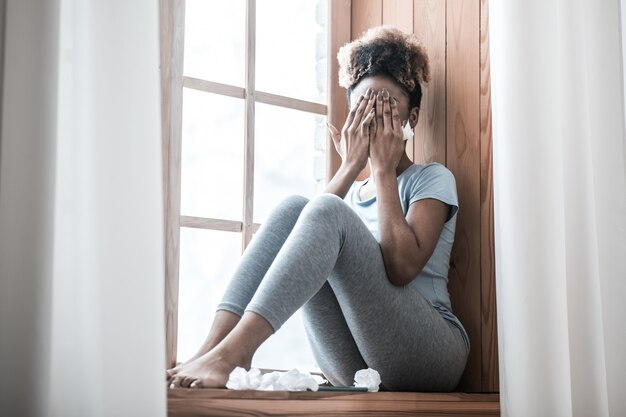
[172,386]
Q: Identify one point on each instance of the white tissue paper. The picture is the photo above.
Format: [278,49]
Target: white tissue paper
[407,131]
[294,380]
[368,378]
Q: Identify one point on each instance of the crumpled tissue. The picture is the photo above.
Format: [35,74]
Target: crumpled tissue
[407,131]
[294,380]
[368,378]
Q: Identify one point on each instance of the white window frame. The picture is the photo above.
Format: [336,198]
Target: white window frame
[172,20]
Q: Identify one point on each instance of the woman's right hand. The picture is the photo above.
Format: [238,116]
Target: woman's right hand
[353,142]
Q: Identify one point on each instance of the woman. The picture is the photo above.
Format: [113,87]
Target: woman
[366,261]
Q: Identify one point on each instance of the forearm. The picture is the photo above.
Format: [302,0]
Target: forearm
[342,180]
[399,245]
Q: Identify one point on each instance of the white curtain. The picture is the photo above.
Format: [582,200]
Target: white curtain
[81,221]
[560,205]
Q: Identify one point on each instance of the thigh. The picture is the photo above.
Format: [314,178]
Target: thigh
[333,346]
[396,330]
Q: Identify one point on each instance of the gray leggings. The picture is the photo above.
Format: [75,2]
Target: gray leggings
[320,256]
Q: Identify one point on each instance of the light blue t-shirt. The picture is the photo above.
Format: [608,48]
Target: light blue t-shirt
[415,183]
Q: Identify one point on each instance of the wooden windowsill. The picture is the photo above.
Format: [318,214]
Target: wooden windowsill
[225,403]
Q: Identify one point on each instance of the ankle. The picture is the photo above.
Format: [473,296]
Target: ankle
[234,357]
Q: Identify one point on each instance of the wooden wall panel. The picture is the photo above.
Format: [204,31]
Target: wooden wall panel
[490,377]
[454,129]
[463,159]
[398,13]
[365,14]
[429,24]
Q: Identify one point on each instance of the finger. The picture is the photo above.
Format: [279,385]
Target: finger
[361,108]
[353,111]
[371,103]
[367,121]
[386,111]
[379,110]
[396,123]
[334,133]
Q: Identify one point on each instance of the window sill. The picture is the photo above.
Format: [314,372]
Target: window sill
[224,403]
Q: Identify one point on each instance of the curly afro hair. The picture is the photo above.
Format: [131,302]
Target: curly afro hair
[385,50]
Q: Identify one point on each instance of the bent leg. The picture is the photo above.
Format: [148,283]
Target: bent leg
[250,270]
[260,254]
[333,346]
[397,331]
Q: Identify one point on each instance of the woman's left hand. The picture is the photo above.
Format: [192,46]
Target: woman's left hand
[386,139]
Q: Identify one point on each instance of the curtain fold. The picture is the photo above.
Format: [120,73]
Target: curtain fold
[559,155]
[81,210]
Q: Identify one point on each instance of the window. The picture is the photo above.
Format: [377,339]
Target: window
[250,123]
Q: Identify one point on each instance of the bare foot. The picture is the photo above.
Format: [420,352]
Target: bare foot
[169,373]
[210,370]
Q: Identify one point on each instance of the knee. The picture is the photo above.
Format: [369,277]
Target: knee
[327,206]
[292,204]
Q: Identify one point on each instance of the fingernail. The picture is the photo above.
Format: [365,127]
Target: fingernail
[379,96]
[368,93]
[385,94]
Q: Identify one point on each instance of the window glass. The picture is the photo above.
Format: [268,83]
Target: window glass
[291,48]
[207,260]
[215,33]
[289,156]
[212,156]
[286,349]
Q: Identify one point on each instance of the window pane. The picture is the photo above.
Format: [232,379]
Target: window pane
[212,156]
[287,348]
[215,40]
[291,48]
[207,260]
[289,156]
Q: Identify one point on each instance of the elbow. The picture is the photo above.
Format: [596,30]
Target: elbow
[402,273]
[400,277]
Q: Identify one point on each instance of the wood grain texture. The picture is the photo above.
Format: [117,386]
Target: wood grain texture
[171,19]
[248,159]
[213,87]
[365,14]
[429,25]
[490,377]
[339,25]
[463,159]
[398,13]
[204,402]
[291,103]
[211,224]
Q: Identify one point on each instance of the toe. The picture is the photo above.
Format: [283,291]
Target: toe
[186,382]
[176,381]
[196,383]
